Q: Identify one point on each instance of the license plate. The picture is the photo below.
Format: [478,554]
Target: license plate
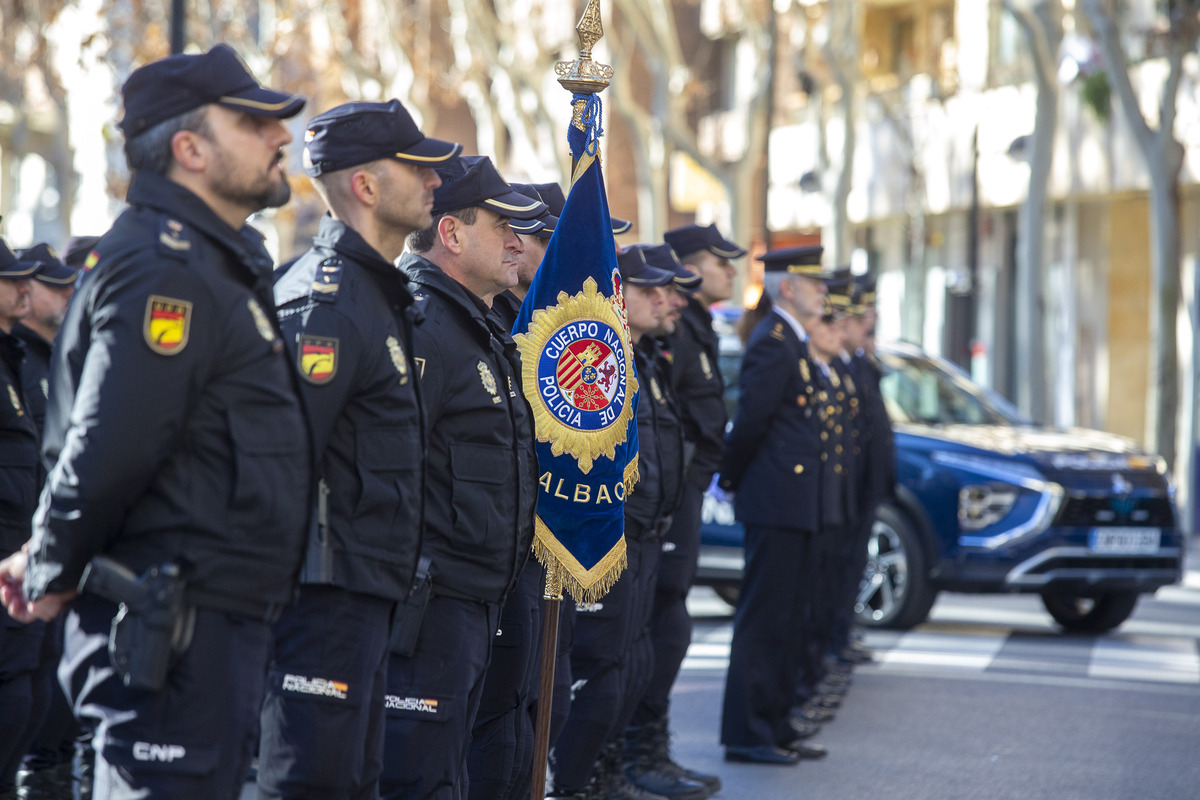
[1124,540]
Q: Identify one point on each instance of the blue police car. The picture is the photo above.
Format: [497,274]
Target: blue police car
[986,501]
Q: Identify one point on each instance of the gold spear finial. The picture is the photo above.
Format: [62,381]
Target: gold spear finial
[583,75]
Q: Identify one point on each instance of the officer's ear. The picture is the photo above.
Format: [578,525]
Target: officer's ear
[450,231]
[188,152]
[364,183]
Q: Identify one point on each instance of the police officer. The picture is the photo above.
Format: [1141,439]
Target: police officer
[21,695]
[607,655]
[696,381]
[500,761]
[481,474]
[346,314]
[49,293]
[176,444]
[876,457]
[773,461]
[46,769]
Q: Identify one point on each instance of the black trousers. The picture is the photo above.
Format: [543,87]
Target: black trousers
[500,761]
[604,634]
[769,633]
[54,743]
[193,739]
[322,717]
[670,624]
[24,693]
[432,699]
[639,666]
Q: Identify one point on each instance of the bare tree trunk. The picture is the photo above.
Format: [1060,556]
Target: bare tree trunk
[1043,28]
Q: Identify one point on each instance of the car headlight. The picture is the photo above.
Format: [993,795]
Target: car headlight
[982,505]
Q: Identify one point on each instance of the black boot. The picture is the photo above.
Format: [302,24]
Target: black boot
[616,786]
[660,756]
[647,771]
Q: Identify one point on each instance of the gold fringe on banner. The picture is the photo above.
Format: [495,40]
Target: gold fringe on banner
[632,476]
[585,586]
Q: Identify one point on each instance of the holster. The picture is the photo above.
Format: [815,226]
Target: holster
[410,611]
[154,623]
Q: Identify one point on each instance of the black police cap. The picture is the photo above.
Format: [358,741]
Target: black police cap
[77,249]
[694,238]
[174,85]
[661,256]
[636,271]
[840,286]
[358,133]
[48,267]
[804,260]
[473,181]
[552,195]
[864,291]
[7,259]
[542,227]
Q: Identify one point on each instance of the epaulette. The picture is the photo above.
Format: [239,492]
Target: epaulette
[777,331]
[173,238]
[327,280]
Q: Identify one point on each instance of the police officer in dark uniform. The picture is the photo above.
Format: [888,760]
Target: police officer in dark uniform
[773,461]
[876,454]
[611,657]
[696,380]
[481,476]
[21,694]
[46,769]
[49,293]
[175,443]
[346,314]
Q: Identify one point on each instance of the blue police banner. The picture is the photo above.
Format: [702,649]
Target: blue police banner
[579,377]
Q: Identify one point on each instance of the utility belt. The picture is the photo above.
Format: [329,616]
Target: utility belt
[157,616]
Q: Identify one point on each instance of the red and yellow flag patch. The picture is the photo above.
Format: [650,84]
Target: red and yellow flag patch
[318,358]
[168,322]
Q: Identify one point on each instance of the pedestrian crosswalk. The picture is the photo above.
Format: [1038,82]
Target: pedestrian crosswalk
[1013,639]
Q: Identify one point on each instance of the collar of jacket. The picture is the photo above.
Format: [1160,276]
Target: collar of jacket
[339,237]
[430,277]
[173,199]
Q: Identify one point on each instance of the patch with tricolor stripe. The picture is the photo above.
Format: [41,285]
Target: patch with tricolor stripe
[168,322]
[318,358]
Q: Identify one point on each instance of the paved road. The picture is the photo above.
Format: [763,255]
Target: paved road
[985,701]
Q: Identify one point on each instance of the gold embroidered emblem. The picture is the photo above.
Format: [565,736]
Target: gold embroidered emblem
[420,362]
[654,388]
[398,359]
[45,386]
[260,320]
[706,366]
[16,401]
[850,385]
[804,373]
[488,380]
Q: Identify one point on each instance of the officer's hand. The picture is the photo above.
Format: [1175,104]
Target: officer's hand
[715,490]
[12,593]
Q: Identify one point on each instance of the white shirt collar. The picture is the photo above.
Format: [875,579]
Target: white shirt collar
[792,321]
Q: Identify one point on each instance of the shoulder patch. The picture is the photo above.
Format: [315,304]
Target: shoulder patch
[167,325]
[173,237]
[777,331]
[318,357]
[327,280]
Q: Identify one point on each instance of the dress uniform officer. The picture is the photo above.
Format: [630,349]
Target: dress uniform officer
[481,475]
[839,510]
[696,381]
[176,444]
[346,314]
[500,762]
[20,693]
[611,657]
[773,461]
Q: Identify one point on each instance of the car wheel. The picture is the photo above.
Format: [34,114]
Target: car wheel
[895,591]
[1090,614]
